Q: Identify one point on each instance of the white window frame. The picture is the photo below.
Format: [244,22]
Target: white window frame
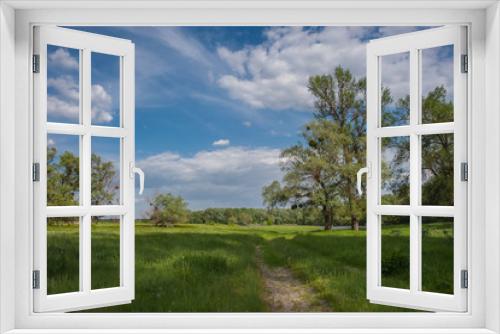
[16,20]
[86,43]
[413,43]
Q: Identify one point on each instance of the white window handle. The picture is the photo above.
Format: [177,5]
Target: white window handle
[137,170]
[359,175]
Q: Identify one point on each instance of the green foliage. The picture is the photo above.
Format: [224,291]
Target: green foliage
[253,216]
[273,195]
[63,179]
[437,156]
[168,209]
[320,172]
[104,185]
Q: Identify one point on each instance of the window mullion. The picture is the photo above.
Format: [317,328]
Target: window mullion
[415,240]
[86,173]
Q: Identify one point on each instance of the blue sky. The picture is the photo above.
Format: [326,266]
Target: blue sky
[215,105]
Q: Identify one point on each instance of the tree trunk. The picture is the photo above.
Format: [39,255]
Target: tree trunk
[327,216]
[355,224]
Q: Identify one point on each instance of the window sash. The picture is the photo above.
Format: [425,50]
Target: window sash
[414,297]
[86,43]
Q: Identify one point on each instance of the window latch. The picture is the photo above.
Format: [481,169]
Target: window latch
[365,170]
[136,170]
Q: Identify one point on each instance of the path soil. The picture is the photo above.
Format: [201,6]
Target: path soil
[285,293]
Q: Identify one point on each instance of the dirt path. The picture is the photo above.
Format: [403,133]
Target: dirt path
[284,292]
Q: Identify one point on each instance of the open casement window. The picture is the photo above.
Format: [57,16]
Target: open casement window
[417,170]
[74,113]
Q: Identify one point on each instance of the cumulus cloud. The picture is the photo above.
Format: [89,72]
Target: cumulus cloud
[101,104]
[63,59]
[221,142]
[64,96]
[229,177]
[275,74]
[247,124]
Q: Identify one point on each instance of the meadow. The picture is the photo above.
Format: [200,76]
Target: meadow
[214,268]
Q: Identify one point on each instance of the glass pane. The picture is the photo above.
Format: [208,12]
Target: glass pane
[105,171]
[63,170]
[395,267]
[395,170]
[437,84]
[63,84]
[105,89]
[105,252]
[437,170]
[63,259]
[395,89]
[437,254]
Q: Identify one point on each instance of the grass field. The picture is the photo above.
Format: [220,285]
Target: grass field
[212,268]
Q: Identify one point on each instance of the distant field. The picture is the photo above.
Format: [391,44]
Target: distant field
[212,268]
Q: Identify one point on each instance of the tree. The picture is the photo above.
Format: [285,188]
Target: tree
[168,209]
[104,185]
[437,155]
[62,178]
[313,169]
[274,196]
[341,99]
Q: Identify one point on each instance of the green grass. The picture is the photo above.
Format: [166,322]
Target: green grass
[212,268]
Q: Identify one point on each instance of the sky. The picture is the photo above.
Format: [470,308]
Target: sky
[215,105]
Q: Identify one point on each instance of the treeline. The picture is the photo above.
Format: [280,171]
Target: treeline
[168,210]
[249,216]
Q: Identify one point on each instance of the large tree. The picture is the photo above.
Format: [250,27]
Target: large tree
[313,170]
[341,99]
[321,173]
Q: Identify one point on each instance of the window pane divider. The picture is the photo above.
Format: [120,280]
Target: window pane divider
[417,129]
[419,210]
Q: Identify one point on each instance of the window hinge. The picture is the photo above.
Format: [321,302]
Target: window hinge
[36,279]
[464,171]
[465,64]
[36,63]
[464,284]
[36,172]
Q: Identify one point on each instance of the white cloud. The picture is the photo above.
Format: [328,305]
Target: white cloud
[221,142]
[247,124]
[63,59]
[101,104]
[64,99]
[275,74]
[229,177]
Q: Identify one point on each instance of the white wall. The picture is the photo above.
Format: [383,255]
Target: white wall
[492,211]
[7,185]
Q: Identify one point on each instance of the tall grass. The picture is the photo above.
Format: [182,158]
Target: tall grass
[212,268]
